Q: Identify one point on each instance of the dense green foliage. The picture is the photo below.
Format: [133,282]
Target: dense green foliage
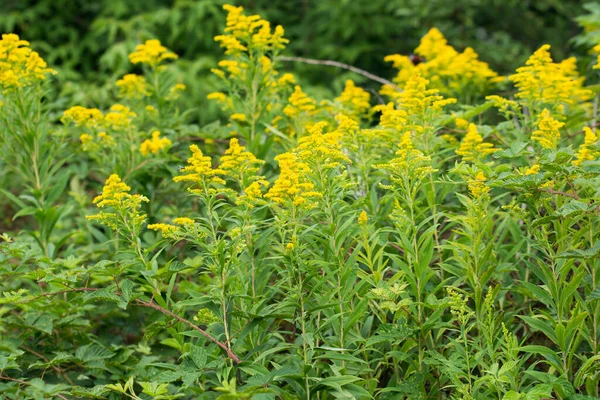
[182,219]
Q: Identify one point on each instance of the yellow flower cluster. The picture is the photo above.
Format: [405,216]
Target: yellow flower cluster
[299,103]
[543,81]
[547,133]
[19,65]
[409,162]
[477,187]
[239,163]
[151,53]
[115,194]
[473,147]
[119,117]
[249,33]
[596,50]
[167,230]
[363,219]
[585,153]
[533,170]
[154,145]
[416,105]
[88,143]
[355,99]
[83,117]
[133,86]
[322,149]
[449,71]
[293,184]
[199,170]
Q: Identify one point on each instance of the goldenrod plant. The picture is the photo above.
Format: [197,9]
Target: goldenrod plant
[437,238]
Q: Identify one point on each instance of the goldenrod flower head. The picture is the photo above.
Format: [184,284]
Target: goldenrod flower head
[391,117]
[19,65]
[183,221]
[548,133]
[115,194]
[244,33]
[238,117]
[151,53]
[449,71]
[347,125]
[533,170]
[409,162]
[239,163]
[585,153]
[286,79]
[299,103]
[477,187]
[292,186]
[542,80]
[253,193]
[133,86]
[81,116]
[168,231]
[504,105]
[199,170]
[119,117]
[154,145]
[416,99]
[363,218]
[323,149]
[473,147]
[461,123]
[355,99]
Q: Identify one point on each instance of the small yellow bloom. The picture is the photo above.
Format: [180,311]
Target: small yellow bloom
[154,145]
[238,117]
[477,187]
[151,53]
[363,218]
[81,116]
[133,86]
[183,221]
[548,133]
[299,103]
[473,147]
[585,153]
[533,170]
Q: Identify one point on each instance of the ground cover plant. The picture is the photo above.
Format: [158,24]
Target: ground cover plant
[435,239]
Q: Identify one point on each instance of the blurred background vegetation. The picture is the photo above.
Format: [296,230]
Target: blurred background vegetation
[87,41]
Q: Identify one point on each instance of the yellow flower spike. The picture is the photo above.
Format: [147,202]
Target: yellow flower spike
[151,53]
[473,147]
[477,187]
[548,133]
[542,80]
[321,148]
[299,102]
[533,170]
[585,153]
[461,123]
[183,221]
[199,170]
[19,65]
[119,117]
[133,86]
[168,231]
[292,186]
[115,195]
[239,163]
[154,145]
[238,117]
[363,219]
[391,117]
[409,162]
[81,116]
[355,99]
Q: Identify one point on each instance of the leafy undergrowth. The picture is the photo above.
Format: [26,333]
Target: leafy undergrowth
[437,239]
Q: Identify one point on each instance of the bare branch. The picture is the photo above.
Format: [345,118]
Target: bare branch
[338,64]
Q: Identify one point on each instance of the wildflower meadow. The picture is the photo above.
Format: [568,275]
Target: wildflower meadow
[433,233]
